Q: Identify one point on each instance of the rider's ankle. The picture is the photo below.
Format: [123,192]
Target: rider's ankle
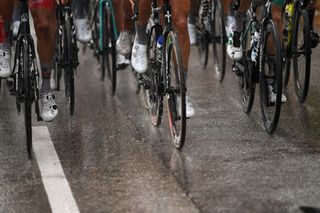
[141,35]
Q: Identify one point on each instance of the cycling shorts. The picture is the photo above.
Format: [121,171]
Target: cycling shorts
[42,4]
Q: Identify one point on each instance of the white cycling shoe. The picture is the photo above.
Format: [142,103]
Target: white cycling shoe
[139,58]
[49,109]
[189,108]
[124,42]
[83,33]
[273,95]
[234,47]
[5,63]
[122,61]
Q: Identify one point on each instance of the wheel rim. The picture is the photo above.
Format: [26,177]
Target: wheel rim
[218,40]
[176,101]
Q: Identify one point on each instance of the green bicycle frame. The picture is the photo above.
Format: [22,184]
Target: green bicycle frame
[107,3]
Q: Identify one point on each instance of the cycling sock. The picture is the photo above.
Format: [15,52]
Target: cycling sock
[141,35]
[79,9]
[6,44]
[17,11]
[185,76]
[46,74]
[192,18]
[237,25]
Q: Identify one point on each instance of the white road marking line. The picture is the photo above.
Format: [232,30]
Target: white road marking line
[56,185]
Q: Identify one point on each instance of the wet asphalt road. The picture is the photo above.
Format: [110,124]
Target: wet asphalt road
[116,161]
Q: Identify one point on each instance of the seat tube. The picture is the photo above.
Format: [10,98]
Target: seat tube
[101,17]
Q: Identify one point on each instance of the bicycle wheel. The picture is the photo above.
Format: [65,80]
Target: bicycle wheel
[109,50]
[0,84]
[68,67]
[176,97]
[247,83]
[218,40]
[27,92]
[154,100]
[203,46]
[270,77]
[286,66]
[58,57]
[301,48]
[96,39]
[203,36]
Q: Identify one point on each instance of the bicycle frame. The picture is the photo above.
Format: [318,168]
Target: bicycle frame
[168,27]
[62,12]
[25,35]
[101,4]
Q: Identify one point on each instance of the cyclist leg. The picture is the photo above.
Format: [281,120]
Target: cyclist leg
[123,14]
[17,12]
[234,47]
[192,29]
[314,35]
[6,8]
[139,59]
[43,14]
[180,12]
[229,13]
[81,22]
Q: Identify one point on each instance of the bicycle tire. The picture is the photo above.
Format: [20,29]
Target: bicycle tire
[218,40]
[68,68]
[247,83]
[0,84]
[58,59]
[177,89]
[203,39]
[287,56]
[203,47]
[96,39]
[270,111]
[286,67]
[301,85]
[27,91]
[154,99]
[109,53]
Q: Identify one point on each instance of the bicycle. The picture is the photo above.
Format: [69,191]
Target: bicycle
[297,45]
[261,65]
[26,75]
[66,54]
[165,74]
[211,30]
[105,34]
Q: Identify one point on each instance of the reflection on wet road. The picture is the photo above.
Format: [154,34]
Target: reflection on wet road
[115,161]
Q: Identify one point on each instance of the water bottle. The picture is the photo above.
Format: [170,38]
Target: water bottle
[288,28]
[159,48]
[255,40]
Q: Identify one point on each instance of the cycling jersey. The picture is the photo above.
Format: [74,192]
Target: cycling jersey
[42,4]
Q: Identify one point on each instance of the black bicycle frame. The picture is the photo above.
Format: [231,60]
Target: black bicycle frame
[62,12]
[24,35]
